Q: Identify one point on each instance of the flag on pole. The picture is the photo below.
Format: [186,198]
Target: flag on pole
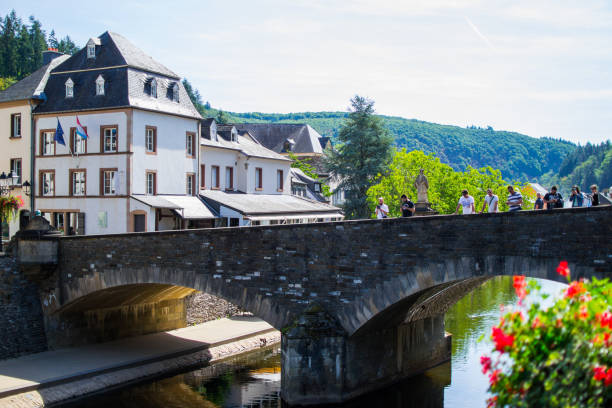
[80,130]
[59,134]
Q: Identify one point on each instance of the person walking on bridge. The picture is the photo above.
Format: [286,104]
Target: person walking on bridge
[466,202]
[594,196]
[515,200]
[382,210]
[553,199]
[490,200]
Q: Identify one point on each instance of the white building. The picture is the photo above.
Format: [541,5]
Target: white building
[245,183]
[138,168]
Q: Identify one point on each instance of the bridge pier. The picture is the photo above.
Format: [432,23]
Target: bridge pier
[323,365]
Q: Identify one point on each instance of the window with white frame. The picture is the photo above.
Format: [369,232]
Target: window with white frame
[110,139]
[150,139]
[48,144]
[214,177]
[91,50]
[154,88]
[258,178]
[78,183]
[48,183]
[100,85]
[109,188]
[189,138]
[69,88]
[151,185]
[16,125]
[279,180]
[190,184]
[229,178]
[16,169]
[78,143]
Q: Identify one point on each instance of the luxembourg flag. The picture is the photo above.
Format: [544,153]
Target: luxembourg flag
[80,130]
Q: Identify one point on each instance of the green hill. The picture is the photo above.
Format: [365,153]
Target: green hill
[518,156]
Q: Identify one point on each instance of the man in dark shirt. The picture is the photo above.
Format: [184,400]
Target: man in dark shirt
[539,203]
[407,207]
[553,199]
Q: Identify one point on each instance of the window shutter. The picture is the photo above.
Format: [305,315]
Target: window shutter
[12,125]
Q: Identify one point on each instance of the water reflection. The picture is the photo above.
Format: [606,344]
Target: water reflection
[254,380]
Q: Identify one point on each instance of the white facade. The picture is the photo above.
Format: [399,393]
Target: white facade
[113,211]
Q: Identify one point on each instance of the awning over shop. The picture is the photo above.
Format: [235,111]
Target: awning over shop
[277,217]
[187,207]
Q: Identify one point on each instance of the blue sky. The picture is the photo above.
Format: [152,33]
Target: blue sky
[543,68]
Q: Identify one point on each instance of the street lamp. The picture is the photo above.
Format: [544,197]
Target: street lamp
[8,182]
[26,187]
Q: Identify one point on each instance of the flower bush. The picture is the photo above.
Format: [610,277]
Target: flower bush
[9,206]
[558,356]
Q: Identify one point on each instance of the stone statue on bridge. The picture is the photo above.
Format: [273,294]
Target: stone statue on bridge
[422,185]
[422,206]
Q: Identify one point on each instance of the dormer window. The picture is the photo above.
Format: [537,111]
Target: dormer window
[91,50]
[175,92]
[154,88]
[234,135]
[69,88]
[100,85]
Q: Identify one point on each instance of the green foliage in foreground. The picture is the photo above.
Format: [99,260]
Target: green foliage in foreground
[557,356]
[6,82]
[518,156]
[362,154]
[445,184]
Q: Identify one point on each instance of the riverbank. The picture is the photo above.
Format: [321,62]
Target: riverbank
[52,377]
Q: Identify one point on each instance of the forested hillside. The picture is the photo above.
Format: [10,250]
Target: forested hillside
[21,47]
[518,156]
[586,165]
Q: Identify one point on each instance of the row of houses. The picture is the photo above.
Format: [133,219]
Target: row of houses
[146,160]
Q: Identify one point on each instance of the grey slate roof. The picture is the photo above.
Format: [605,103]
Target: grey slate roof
[124,86]
[299,176]
[274,135]
[33,85]
[115,50]
[251,204]
[245,146]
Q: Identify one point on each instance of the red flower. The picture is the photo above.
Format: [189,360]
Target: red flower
[536,323]
[491,402]
[608,380]
[605,319]
[599,373]
[494,377]
[519,284]
[485,362]
[584,312]
[563,269]
[575,289]
[501,339]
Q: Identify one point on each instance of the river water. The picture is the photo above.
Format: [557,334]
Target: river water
[254,380]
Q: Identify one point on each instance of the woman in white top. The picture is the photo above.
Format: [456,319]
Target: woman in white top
[491,200]
[467,202]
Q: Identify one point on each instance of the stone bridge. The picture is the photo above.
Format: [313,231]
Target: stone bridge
[360,303]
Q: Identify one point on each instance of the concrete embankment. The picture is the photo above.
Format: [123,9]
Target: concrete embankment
[53,377]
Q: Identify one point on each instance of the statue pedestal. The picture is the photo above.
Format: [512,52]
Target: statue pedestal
[423,208]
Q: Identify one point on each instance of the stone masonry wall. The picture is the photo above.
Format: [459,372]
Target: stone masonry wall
[355,270]
[21,318]
[202,307]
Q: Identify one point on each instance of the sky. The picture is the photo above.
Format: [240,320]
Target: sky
[539,67]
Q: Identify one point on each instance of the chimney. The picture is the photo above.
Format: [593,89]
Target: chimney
[50,55]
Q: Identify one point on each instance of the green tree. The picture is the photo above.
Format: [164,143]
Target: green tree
[53,43]
[67,46]
[361,156]
[6,82]
[309,170]
[9,45]
[25,54]
[222,117]
[445,184]
[194,95]
[39,44]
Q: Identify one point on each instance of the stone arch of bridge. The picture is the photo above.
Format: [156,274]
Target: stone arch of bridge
[430,290]
[116,287]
